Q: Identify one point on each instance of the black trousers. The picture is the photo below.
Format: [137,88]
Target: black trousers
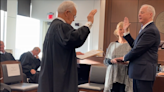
[117,87]
[34,78]
[142,86]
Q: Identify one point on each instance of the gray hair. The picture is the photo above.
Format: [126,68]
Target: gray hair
[150,9]
[66,5]
[36,49]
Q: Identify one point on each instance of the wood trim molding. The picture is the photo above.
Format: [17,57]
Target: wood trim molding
[108,11]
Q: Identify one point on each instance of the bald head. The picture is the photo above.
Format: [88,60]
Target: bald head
[66,5]
[2,46]
[36,51]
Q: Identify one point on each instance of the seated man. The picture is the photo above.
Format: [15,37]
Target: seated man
[30,63]
[4,56]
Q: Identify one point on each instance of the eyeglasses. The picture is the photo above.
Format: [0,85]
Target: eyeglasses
[72,14]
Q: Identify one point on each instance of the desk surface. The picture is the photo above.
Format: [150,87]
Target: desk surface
[92,61]
[99,60]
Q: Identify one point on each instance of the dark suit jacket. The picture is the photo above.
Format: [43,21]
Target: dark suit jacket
[6,57]
[143,56]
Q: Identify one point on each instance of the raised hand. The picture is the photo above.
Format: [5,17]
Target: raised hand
[90,17]
[126,24]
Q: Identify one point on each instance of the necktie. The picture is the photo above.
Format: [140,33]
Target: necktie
[140,30]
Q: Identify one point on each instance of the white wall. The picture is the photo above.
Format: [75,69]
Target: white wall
[1,31]
[40,8]
[11,25]
[3,21]
[101,24]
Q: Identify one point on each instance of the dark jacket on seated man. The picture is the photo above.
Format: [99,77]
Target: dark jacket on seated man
[29,64]
[6,57]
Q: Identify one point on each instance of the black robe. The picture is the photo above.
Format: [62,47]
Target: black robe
[59,65]
[6,57]
[29,62]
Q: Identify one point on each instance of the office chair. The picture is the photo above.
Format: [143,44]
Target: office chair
[11,74]
[96,80]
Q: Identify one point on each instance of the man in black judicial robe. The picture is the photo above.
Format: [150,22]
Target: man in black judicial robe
[59,65]
[30,63]
[5,56]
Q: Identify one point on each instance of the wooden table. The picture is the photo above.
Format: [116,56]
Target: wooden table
[92,61]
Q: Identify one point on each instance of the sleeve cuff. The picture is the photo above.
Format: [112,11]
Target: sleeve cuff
[88,24]
[126,33]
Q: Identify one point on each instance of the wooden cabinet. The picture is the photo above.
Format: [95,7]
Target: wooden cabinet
[158,84]
[161,56]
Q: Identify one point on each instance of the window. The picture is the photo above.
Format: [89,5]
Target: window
[27,35]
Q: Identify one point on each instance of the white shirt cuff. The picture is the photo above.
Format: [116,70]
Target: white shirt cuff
[88,24]
[126,33]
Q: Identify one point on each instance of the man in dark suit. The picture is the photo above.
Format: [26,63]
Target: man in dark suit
[143,55]
[4,56]
[30,63]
